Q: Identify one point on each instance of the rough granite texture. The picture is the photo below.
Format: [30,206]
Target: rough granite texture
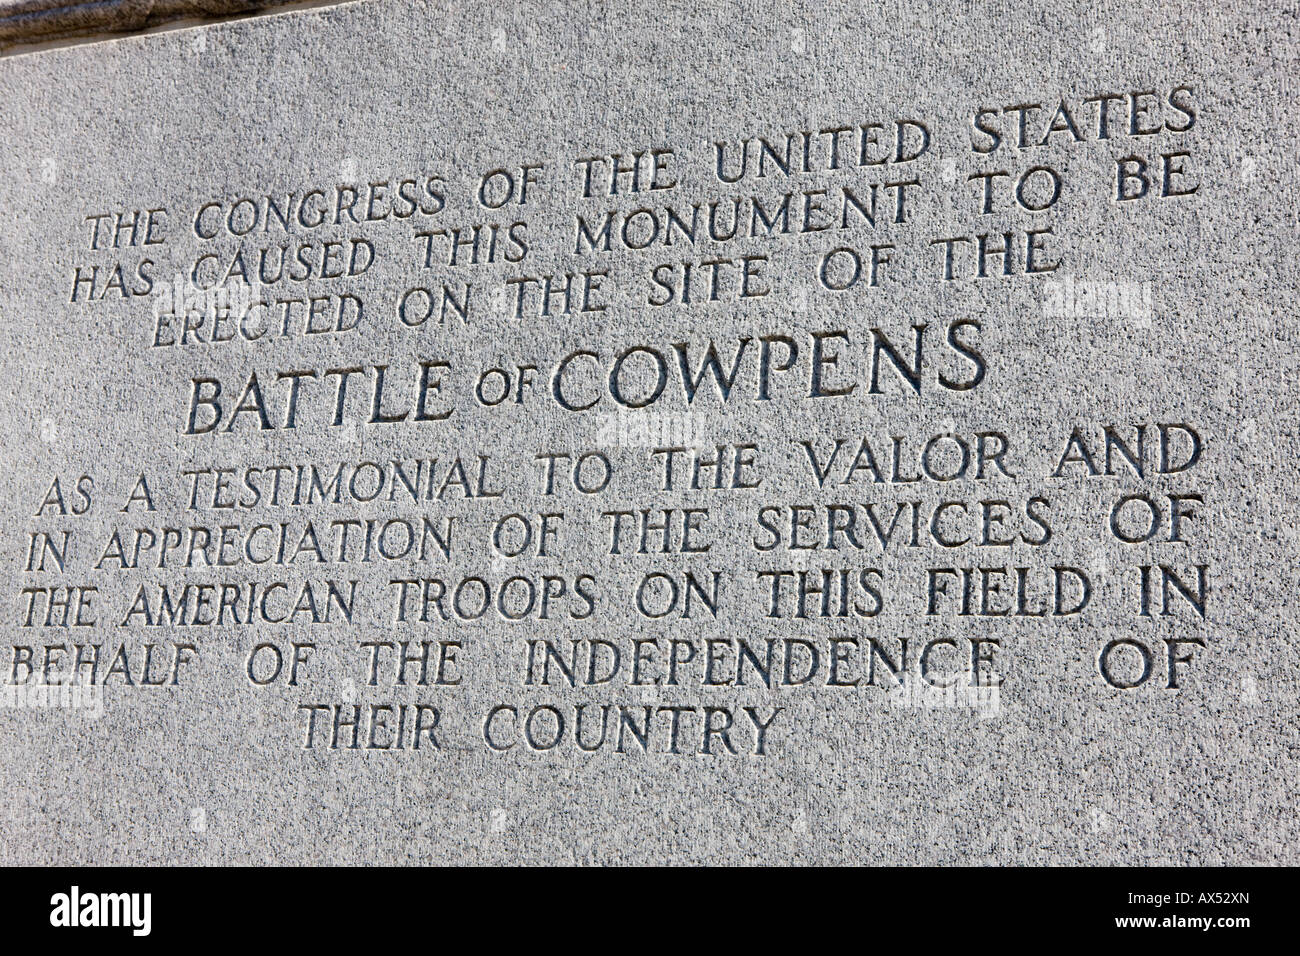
[1068,770]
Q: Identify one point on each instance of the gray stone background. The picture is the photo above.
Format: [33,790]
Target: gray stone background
[1068,770]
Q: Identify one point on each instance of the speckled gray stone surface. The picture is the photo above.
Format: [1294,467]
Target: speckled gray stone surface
[1173,308]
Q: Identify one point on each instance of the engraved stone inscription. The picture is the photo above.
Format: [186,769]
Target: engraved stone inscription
[436,435]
